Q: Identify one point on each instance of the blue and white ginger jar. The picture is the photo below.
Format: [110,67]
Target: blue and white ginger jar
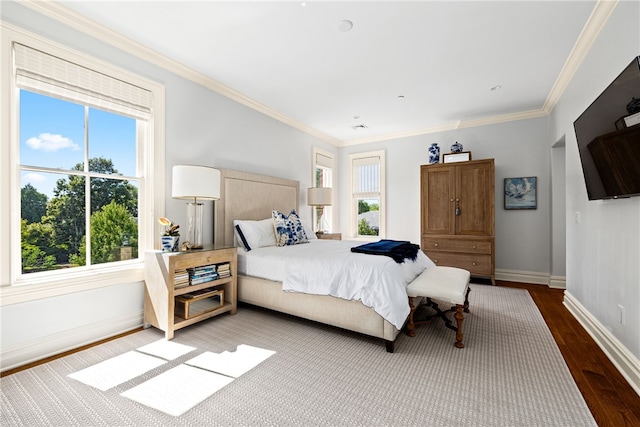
[434,153]
[456,148]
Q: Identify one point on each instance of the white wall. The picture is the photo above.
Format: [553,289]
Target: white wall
[208,129]
[202,128]
[558,216]
[519,148]
[603,250]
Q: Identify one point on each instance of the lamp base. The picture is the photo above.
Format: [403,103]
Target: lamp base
[195,213]
[319,216]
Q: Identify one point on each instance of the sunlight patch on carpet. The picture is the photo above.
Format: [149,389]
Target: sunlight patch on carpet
[232,364]
[168,350]
[117,370]
[179,389]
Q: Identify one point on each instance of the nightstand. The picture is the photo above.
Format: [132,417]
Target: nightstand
[329,236]
[183,288]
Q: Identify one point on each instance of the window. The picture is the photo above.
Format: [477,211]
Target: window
[323,177]
[65,150]
[86,152]
[367,190]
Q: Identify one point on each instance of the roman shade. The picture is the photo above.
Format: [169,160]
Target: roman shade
[44,73]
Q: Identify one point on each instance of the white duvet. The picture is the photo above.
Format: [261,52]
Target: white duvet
[328,267]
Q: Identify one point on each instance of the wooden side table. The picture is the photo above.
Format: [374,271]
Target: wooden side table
[329,236]
[169,284]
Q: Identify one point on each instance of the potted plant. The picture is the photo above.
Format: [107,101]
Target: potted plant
[170,238]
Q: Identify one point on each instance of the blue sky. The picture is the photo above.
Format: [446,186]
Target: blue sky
[52,135]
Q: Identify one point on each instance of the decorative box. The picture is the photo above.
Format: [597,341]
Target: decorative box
[188,306]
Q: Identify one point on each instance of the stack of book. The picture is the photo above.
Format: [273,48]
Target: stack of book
[181,279]
[202,274]
[224,270]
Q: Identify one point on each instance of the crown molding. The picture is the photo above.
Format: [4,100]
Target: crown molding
[596,22]
[404,134]
[106,35]
[503,118]
[598,18]
[460,124]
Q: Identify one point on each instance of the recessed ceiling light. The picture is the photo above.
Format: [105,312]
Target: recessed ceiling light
[345,25]
[360,126]
[400,96]
[497,87]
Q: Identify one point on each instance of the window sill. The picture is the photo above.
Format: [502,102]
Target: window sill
[30,290]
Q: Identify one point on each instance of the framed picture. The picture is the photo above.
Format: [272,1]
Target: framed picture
[463,156]
[521,193]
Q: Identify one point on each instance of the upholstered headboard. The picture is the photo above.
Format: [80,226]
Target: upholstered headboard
[250,196]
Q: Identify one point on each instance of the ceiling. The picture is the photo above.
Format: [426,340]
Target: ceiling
[404,68]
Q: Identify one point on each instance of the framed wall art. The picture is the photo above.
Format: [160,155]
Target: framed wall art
[521,193]
[463,156]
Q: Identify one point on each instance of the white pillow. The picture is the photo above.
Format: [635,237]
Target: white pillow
[255,234]
[308,230]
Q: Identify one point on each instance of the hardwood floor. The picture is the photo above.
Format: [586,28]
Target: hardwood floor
[609,396]
[66,353]
[611,399]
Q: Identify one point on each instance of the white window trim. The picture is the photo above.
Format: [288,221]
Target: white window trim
[331,209]
[353,210]
[152,201]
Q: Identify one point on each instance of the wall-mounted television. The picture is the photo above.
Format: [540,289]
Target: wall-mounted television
[608,134]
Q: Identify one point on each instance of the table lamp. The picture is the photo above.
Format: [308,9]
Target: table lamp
[319,197]
[195,183]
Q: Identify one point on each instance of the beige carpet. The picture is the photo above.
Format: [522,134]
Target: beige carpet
[510,373]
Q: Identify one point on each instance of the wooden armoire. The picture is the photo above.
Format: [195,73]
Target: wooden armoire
[458,214]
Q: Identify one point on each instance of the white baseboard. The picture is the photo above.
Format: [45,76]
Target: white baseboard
[558,282]
[523,276]
[38,349]
[532,277]
[623,360]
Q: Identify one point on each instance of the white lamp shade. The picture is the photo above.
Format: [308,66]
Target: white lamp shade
[195,182]
[319,196]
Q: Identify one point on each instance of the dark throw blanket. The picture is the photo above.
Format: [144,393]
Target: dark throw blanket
[396,249]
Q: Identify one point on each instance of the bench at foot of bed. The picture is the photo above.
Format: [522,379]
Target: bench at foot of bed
[448,284]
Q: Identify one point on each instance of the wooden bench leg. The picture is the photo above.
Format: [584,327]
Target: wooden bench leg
[459,319]
[411,327]
[466,300]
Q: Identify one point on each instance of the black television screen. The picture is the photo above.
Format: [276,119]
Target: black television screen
[608,134]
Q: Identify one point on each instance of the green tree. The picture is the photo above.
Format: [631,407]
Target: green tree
[105,190]
[66,210]
[79,258]
[35,237]
[363,207]
[365,230]
[65,214]
[33,204]
[112,228]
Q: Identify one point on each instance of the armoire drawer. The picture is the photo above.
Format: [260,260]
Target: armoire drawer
[478,246]
[476,264]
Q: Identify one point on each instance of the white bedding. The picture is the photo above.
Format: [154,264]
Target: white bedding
[328,267]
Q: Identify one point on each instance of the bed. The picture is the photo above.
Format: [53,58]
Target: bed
[247,196]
